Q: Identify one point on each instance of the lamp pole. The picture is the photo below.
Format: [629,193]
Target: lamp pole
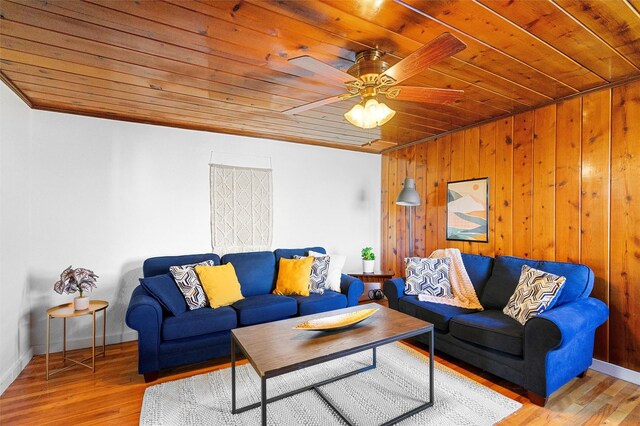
[409,197]
[411,239]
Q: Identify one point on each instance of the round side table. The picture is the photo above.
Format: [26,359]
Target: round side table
[65,311]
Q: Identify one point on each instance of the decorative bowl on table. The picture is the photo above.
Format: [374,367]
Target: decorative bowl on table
[336,322]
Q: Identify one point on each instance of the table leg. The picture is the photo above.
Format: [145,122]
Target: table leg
[46,362]
[431,357]
[233,376]
[64,340]
[93,342]
[104,332]
[374,357]
[264,401]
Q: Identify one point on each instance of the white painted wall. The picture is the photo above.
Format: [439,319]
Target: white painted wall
[105,195]
[15,305]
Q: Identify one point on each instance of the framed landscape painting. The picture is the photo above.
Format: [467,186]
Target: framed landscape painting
[468,210]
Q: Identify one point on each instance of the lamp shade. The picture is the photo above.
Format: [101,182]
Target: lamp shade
[408,196]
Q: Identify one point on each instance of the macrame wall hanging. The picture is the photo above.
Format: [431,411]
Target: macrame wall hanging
[241,209]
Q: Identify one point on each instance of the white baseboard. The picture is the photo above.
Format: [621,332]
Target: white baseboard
[616,371]
[13,372]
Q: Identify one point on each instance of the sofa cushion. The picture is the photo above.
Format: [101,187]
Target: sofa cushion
[315,303]
[220,283]
[264,308]
[319,273]
[479,270]
[503,281]
[164,289]
[491,329]
[428,276]
[436,313]
[579,277]
[289,253]
[199,322]
[506,273]
[293,276]
[160,265]
[334,275]
[536,292]
[189,284]
[256,271]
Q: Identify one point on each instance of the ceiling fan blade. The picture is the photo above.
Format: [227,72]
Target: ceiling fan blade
[436,50]
[312,64]
[311,105]
[427,94]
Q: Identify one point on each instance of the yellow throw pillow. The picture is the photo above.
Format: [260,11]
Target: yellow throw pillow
[220,284]
[293,276]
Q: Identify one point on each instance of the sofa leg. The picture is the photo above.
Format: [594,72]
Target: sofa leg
[151,377]
[537,399]
[582,375]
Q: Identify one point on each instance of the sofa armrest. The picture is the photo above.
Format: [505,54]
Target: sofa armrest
[352,288]
[558,344]
[394,290]
[144,315]
[557,326]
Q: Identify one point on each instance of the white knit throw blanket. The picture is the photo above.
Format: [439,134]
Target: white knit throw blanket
[464,294]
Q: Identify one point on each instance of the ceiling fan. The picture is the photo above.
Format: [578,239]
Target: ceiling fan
[371,76]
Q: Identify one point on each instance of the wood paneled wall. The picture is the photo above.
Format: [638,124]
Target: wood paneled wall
[564,185]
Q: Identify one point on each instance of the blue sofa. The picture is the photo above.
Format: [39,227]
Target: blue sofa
[541,356]
[167,340]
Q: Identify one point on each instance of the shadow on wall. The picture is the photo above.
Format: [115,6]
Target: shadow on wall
[79,330]
[24,341]
[363,201]
[129,279]
[40,290]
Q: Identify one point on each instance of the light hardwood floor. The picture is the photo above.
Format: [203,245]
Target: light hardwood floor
[113,395]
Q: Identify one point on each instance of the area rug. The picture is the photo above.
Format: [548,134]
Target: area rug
[399,383]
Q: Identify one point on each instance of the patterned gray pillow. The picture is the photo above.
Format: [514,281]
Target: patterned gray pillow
[319,273]
[535,293]
[428,276]
[189,284]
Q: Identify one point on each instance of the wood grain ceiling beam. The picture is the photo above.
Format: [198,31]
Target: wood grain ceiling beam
[480,123]
[15,88]
[31,17]
[99,106]
[341,17]
[572,82]
[403,27]
[608,64]
[594,34]
[224,64]
[240,18]
[615,22]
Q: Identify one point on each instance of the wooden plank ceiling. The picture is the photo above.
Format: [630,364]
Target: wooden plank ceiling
[222,65]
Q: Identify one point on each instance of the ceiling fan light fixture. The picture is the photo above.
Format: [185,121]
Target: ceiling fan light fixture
[369,115]
[380,111]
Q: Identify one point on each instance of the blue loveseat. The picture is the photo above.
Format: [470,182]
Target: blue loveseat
[167,340]
[541,356]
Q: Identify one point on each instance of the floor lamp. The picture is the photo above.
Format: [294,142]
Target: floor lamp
[409,197]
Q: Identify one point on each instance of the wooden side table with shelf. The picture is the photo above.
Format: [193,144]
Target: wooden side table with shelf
[65,311]
[371,278]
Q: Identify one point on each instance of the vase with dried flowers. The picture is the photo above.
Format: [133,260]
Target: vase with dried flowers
[79,279]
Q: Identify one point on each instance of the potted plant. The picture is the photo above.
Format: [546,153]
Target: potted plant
[79,279]
[368,260]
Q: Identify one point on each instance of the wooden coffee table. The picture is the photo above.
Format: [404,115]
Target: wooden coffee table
[276,348]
